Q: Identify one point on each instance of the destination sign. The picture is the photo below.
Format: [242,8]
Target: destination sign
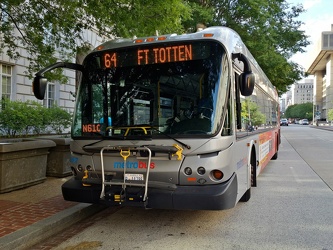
[154,55]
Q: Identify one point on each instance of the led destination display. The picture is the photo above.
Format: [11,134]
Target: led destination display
[154,55]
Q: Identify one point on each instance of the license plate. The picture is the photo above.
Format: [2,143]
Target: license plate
[134,177]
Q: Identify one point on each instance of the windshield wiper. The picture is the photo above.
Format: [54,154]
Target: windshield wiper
[146,136]
[104,138]
[169,136]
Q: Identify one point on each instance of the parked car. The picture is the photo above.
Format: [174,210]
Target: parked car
[304,122]
[284,122]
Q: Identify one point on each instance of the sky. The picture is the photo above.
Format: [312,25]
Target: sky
[317,18]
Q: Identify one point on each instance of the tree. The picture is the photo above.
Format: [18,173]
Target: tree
[271,32]
[304,110]
[330,114]
[52,30]
[255,118]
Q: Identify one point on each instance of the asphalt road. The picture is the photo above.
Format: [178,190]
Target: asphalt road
[292,208]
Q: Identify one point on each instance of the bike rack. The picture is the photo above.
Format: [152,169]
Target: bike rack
[125,153]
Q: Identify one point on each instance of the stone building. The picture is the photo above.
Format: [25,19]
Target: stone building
[16,85]
[322,70]
[302,91]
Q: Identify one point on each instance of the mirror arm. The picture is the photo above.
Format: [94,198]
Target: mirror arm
[67,65]
[242,58]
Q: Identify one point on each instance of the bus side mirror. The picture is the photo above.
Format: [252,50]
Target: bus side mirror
[39,86]
[246,85]
[246,79]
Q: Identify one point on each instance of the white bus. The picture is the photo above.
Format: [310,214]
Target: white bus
[170,122]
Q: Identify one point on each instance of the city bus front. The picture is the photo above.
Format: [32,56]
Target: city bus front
[153,125]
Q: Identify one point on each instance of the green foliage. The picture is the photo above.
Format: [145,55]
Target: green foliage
[330,114]
[147,17]
[59,119]
[271,32]
[13,118]
[256,117]
[53,30]
[24,118]
[300,111]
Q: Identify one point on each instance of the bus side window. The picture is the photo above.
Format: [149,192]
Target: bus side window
[228,122]
[238,103]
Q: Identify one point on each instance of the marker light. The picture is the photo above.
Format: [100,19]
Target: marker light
[191,179]
[217,174]
[150,39]
[139,41]
[208,35]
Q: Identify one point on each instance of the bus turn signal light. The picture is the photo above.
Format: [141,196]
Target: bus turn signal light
[217,174]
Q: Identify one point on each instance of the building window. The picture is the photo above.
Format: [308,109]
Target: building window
[5,81]
[49,100]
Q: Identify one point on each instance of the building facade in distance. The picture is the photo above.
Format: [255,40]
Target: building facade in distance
[302,91]
[322,70]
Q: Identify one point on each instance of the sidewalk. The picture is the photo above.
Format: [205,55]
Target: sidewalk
[323,127]
[30,215]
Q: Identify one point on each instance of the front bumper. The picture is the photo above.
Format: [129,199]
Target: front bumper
[209,197]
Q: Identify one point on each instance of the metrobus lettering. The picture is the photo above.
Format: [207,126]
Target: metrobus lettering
[91,128]
[165,55]
[133,164]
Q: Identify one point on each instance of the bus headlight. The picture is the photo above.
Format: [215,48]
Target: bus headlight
[188,171]
[80,168]
[201,170]
[217,174]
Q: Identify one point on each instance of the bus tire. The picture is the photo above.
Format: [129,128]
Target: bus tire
[253,169]
[246,196]
[275,156]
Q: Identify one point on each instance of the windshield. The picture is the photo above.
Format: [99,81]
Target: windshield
[175,89]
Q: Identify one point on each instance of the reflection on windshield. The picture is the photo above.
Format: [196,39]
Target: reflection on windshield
[176,98]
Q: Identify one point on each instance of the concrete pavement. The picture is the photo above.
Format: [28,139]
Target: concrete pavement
[291,209]
[31,215]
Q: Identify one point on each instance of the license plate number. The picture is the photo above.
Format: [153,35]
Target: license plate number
[134,177]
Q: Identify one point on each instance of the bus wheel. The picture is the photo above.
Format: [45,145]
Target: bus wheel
[247,195]
[253,166]
[275,156]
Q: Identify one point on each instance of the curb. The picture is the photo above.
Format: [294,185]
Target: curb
[41,230]
[329,128]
